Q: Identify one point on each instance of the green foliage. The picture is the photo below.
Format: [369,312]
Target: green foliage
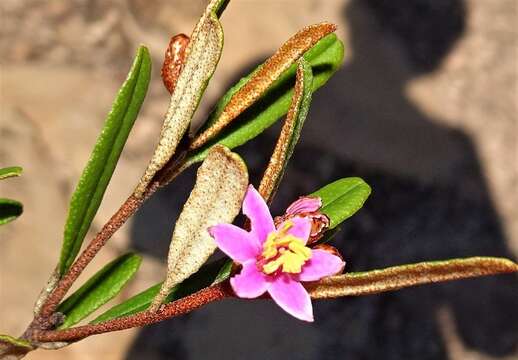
[9,210]
[342,198]
[10,171]
[209,274]
[99,169]
[325,58]
[99,289]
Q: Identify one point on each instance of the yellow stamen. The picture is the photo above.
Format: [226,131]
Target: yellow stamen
[284,250]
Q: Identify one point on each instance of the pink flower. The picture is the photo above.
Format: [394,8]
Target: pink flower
[274,259]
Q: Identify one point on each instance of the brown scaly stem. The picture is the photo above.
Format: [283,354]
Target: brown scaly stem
[182,306]
[128,208]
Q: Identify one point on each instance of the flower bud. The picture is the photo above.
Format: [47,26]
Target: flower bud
[173,60]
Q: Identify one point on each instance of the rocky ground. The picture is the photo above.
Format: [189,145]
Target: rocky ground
[424,108]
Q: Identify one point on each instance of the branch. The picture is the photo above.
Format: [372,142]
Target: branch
[182,306]
[128,208]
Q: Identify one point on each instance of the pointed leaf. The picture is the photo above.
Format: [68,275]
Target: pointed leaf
[342,198]
[10,171]
[262,78]
[201,57]
[325,58]
[209,274]
[398,277]
[97,174]
[9,210]
[12,348]
[220,186]
[290,132]
[99,289]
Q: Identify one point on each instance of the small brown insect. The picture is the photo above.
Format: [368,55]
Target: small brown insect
[174,60]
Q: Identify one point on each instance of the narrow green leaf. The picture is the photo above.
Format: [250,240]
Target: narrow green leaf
[10,171]
[99,169]
[398,277]
[325,58]
[209,274]
[9,210]
[342,198]
[99,289]
[290,132]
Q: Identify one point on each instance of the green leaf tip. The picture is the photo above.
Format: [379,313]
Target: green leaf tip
[9,210]
[94,180]
[99,289]
[342,198]
[10,171]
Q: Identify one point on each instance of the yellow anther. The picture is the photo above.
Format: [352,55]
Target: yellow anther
[300,249]
[272,266]
[292,263]
[269,248]
[284,250]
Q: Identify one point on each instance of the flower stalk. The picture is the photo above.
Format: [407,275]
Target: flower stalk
[353,284]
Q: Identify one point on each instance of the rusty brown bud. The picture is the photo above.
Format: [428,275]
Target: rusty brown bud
[174,60]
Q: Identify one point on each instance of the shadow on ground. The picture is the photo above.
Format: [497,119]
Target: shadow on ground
[430,201]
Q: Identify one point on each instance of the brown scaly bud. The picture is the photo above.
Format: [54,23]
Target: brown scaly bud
[174,60]
[307,206]
[332,250]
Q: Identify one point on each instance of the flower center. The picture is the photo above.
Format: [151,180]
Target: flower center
[283,251]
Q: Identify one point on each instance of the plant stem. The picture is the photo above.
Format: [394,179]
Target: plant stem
[128,208]
[182,306]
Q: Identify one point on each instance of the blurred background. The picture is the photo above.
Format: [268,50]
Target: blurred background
[424,109]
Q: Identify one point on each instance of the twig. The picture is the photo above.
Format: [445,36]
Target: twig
[182,306]
[127,209]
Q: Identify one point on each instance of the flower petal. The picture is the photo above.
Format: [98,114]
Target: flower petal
[320,265]
[255,208]
[235,242]
[304,205]
[301,227]
[250,282]
[291,296]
